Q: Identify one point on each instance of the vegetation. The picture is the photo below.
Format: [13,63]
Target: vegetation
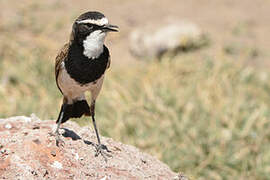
[208,118]
[206,115]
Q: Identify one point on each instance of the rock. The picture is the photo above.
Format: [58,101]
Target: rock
[57,165]
[34,154]
[179,36]
[8,126]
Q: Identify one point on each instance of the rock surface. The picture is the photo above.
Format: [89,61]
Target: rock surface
[28,151]
[154,40]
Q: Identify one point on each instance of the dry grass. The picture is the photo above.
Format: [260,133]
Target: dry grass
[207,117]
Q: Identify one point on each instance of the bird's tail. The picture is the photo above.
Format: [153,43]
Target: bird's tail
[75,110]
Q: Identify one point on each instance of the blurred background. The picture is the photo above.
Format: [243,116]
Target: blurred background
[189,81]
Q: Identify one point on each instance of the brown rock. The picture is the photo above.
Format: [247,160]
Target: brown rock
[34,154]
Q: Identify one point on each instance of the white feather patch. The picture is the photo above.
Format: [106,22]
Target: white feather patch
[99,22]
[93,44]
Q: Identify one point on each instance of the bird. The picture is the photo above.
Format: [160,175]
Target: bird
[80,66]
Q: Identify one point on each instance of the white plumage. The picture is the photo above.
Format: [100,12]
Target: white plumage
[93,44]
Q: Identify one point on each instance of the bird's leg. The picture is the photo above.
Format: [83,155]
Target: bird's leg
[100,148]
[59,141]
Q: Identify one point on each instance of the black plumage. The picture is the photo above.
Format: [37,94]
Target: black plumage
[91,15]
[81,68]
[75,110]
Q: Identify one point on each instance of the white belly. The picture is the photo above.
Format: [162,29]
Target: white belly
[72,90]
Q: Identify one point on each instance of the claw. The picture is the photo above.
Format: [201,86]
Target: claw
[103,151]
[59,141]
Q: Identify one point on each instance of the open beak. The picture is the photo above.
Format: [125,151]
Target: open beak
[109,27]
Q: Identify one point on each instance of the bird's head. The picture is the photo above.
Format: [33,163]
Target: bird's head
[91,25]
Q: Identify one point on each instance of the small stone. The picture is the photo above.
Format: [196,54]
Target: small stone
[37,141]
[51,137]
[34,117]
[57,165]
[117,148]
[36,127]
[104,178]
[5,151]
[180,176]
[20,118]
[34,173]
[76,156]
[143,161]
[45,173]
[8,126]
[53,153]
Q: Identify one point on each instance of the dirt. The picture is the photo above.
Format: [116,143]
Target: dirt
[228,22]
[28,151]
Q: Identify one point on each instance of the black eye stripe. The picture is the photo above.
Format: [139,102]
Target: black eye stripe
[93,25]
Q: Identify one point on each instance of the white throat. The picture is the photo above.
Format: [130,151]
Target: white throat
[93,44]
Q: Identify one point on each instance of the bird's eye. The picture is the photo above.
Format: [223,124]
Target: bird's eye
[89,26]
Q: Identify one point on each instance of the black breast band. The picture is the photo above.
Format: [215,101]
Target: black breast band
[81,68]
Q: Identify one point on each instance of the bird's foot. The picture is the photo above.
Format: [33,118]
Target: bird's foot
[103,151]
[58,140]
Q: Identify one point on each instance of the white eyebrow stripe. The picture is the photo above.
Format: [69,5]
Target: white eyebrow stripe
[99,22]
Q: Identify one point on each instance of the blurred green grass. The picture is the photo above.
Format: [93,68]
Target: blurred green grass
[205,115]
[207,118]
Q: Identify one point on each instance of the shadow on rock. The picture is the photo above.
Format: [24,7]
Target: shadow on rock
[71,134]
[74,136]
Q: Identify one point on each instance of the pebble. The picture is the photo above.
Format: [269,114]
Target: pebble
[36,127]
[53,153]
[8,126]
[104,178]
[57,165]
[76,156]
[5,151]
[34,117]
